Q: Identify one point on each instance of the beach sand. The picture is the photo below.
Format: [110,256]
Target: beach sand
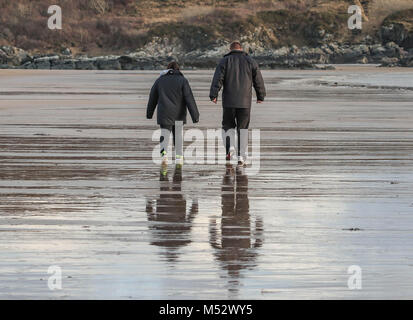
[79,190]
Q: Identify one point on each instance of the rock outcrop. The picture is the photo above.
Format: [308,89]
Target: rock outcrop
[398,28]
[390,54]
[12,56]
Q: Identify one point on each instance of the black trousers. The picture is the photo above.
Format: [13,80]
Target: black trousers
[236,118]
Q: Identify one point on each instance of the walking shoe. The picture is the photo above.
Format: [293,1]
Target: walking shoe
[241,161]
[164,157]
[179,160]
[230,154]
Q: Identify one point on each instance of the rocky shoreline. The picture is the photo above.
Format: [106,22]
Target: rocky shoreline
[389,55]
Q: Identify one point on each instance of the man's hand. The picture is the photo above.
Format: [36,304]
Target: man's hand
[260,101]
[214,100]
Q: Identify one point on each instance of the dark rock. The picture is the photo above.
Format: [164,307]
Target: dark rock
[378,51]
[13,56]
[398,33]
[68,64]
[390,62]
[45,62]
[368,40]
[407,61]
[42,65]
[28,65]
[203,64]
[108,64]
[85,64]
[130,63]
[304,65]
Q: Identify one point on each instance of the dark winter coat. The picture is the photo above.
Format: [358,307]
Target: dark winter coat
[237,72]
[173,96]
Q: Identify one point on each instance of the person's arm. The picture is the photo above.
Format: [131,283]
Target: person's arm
[258,83]
[217,81]
[190,102]
[153,101]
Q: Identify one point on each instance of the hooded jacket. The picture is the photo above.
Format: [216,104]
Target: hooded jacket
[237,72]
[173,96]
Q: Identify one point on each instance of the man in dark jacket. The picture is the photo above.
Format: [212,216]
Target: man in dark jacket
[173,96]
[237,73]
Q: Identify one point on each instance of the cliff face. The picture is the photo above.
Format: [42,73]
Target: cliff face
[199,31]
[115,26]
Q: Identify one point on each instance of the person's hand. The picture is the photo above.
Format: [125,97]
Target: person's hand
[214,100]
[260,101]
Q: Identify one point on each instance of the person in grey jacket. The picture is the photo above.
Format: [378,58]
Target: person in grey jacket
[173,96]
[237,72]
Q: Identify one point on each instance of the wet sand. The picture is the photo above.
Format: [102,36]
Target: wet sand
[78,189]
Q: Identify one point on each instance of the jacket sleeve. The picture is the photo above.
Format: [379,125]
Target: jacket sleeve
[153,101]
[190,102]
[217,80]
[258,82]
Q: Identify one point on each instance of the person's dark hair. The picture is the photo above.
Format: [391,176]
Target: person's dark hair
[173,65]
[235,46]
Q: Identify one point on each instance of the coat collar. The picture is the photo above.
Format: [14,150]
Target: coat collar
[236,52]
[171,71]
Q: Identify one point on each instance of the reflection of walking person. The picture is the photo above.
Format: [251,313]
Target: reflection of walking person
[173,96]
[237,73]
[170,221]
[237,240]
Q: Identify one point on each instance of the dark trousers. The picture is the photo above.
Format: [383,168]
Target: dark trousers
[236,118]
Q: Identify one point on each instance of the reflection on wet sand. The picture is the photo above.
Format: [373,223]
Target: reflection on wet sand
[170,221]
[236,240]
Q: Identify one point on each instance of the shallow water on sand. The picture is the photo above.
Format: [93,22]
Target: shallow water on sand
[78,189]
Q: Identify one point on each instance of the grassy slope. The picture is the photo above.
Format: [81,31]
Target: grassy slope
[114,26]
